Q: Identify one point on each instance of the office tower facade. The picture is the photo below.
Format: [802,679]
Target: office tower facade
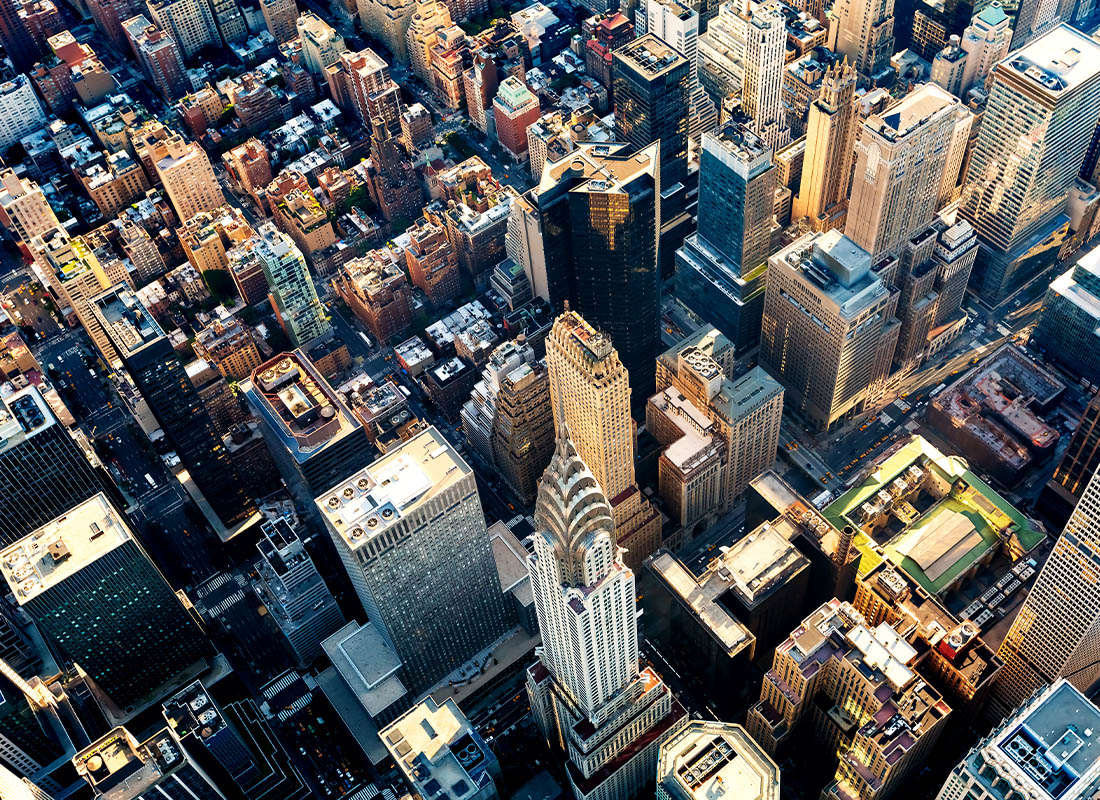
[196,718]
[1033,19]
[292,590]
[1026,755]
[102,604]
[830,147]
[677,24]
[314,438]
[24,210]
[152,363]
[14,787]
[865,36]
[889,716]
[185,172]
[37,733]
[721,268]
[1070,318]
[590,392]
[435,745]
[764,63]
[293,294]
[744,412]
[43,472]
[1082,457]
[828,331]
[411,534]
[954,255]
[1057,632]
[119,767]
[901,156]
[587,693]
[707,759]
[508,419]
[1045,97]
[189,22]
[599,213]
[652,88]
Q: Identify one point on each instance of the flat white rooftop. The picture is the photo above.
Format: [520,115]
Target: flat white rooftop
[62,547]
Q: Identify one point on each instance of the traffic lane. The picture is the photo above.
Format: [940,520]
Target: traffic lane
[31,308]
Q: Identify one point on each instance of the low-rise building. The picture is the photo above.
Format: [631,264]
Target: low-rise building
[229,346]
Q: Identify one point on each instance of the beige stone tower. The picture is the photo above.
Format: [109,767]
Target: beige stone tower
[590,391]
[830,136]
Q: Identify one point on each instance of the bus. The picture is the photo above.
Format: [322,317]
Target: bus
[937,390]
[366,339]
[152,482]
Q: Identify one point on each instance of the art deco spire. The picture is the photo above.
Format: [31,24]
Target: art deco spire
[571,508]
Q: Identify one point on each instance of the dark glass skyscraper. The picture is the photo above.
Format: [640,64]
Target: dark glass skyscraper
[651,82]
[43,472]
[100,603]
[721,269]
[174,401]
[599,209]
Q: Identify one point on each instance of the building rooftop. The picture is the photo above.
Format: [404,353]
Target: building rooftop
[193,710]
[599,167]
[22,415]
[716,761]
[837,268]
[439,751]
[911,112]
[395,485]
[650,56]
[1060,60]
[1051,749]
[368,665]
[750,571]
[62,547]
[960,519]
[298,404]
[128,323]
[118,767]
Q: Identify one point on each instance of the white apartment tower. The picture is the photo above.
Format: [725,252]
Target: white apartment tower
[864,31]
[985,42]
[587,692]
[24,210]
[590,391]
[765,63]
[1057,632]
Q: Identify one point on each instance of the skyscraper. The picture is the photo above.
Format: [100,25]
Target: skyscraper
[590,392]
[1026,755]
[901,156]
[410,531]
[195,717]
[1057,632]
[830,139]
[43,472]
[294,593]
[764,63]
[1043,103]
[1082,457]
[119,767]
[677,24]
[152,363]
[184,170]
[24,209]
[313,436]
[865,35]
[652,87]
[293,294]
[1070,318]
[1033,19]
[599,211]
[721,268]
[189,22]
[280,16]
[13,787]
[587,693]
[829,331]
[102,604]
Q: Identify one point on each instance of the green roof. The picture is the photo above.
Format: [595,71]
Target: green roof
[981,511]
